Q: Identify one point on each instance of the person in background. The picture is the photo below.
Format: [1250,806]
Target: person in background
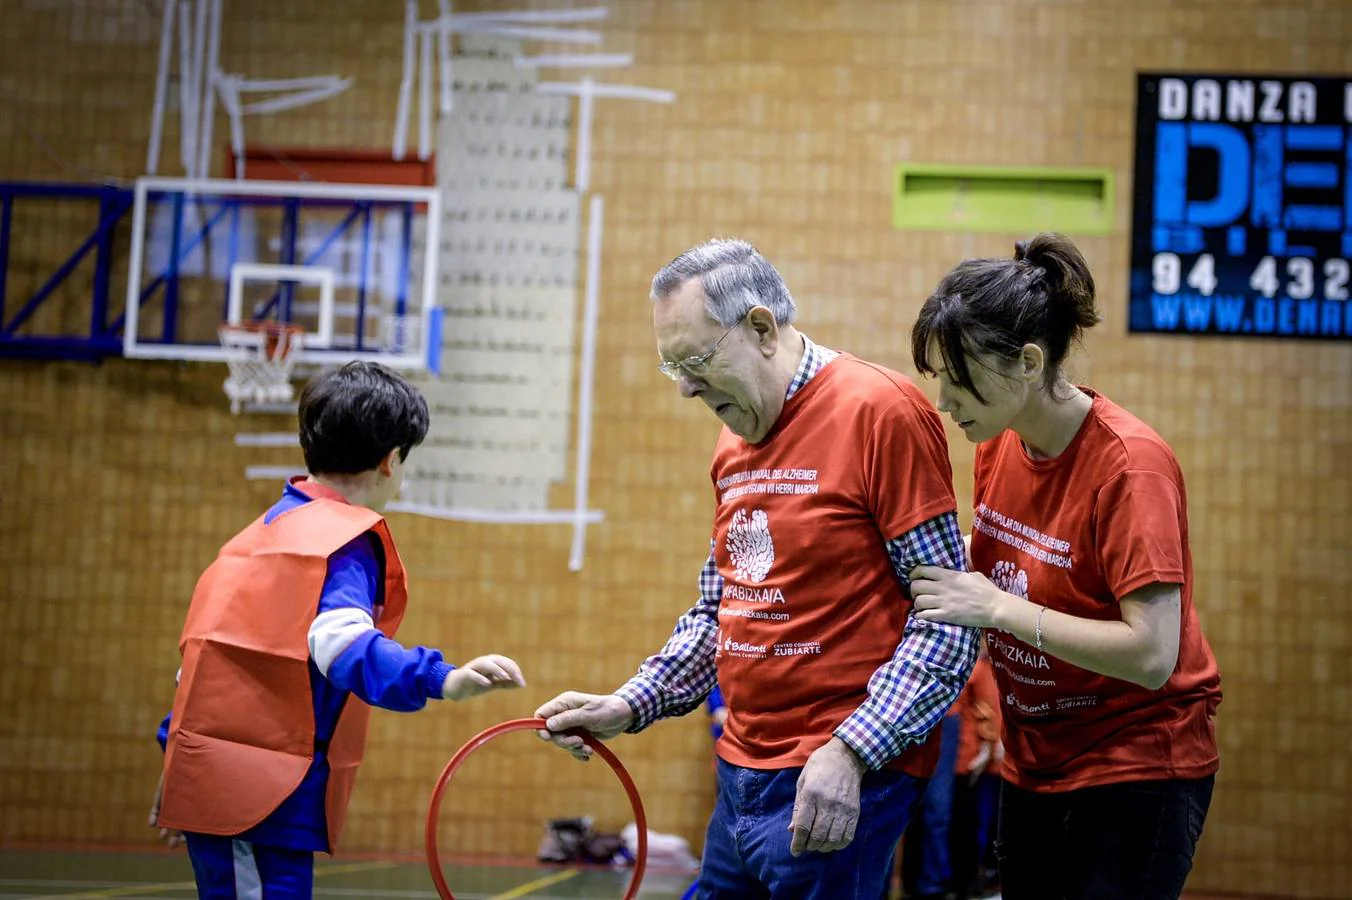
[976,784]
[718,712]
[926,858]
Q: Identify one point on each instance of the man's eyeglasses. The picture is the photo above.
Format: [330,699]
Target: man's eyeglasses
[696,366]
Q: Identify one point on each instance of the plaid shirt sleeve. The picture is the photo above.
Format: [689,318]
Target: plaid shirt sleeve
[909,694]
[676,679]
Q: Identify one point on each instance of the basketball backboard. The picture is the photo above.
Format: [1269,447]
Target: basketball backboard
[346,261]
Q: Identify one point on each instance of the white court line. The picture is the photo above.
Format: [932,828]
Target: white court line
[33,889]
[31,885]
[47,882]
[331,891]
[656,891]
[338,892]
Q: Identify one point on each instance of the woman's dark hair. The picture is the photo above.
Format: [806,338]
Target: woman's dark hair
[1044,295]
[353,416]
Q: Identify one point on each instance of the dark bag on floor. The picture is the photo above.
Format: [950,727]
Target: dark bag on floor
[574,841]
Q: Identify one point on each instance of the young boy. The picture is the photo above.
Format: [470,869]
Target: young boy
[297,612]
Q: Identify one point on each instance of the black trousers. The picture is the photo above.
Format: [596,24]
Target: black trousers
[1128,841]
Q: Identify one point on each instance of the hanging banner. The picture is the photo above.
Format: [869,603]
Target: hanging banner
[1242,215]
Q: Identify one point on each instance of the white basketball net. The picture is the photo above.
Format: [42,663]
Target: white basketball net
[261,356]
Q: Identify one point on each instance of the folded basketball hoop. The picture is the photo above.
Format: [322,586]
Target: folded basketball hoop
[261,356]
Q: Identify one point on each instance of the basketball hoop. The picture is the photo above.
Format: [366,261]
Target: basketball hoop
[261,356]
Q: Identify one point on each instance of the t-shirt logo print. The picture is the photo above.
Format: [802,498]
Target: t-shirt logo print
[750,546]
[1010,580]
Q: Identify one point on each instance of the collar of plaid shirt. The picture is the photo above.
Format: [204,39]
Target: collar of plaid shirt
[815,358]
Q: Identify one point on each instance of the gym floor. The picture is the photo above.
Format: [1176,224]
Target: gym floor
[27,874]
[164,875]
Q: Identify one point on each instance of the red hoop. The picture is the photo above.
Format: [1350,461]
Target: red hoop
[272,333]
[483,737]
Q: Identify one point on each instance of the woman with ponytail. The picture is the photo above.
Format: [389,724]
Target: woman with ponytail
[1082,577]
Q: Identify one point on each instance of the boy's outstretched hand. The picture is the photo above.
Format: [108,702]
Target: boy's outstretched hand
[481,675]
[172,837]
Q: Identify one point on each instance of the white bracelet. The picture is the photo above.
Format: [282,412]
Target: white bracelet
[1037,631]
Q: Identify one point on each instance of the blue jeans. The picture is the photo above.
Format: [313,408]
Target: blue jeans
[936,811]
[746,850]
[229,869]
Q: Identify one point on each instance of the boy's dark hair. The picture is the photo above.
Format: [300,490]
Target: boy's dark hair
[1044,295]
[352,417]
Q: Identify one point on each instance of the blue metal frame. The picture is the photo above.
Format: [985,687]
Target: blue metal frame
[168,279]
[103,338]
[365,271]
[171,274]
[6,218]
[290,219]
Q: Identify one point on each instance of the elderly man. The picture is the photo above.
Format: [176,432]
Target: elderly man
[832,482]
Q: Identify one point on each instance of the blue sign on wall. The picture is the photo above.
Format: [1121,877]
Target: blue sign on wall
[1242,217]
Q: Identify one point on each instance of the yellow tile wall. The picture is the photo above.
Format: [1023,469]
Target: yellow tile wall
[120,480]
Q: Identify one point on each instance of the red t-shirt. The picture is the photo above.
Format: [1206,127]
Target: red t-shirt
[811,606]
[1075,534]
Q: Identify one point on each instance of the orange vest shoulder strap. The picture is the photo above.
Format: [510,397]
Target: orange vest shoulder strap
[319,527]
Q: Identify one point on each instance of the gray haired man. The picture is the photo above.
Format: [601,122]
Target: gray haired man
[832,482]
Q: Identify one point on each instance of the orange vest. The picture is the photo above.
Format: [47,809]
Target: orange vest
[242,735]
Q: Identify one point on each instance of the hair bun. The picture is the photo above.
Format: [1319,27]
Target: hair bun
[1070,286]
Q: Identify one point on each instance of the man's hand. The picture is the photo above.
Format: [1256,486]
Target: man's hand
[171,836]
[481,675]
[604,715]
[826,808]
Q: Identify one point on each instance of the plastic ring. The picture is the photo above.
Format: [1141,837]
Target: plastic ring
[483,737]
